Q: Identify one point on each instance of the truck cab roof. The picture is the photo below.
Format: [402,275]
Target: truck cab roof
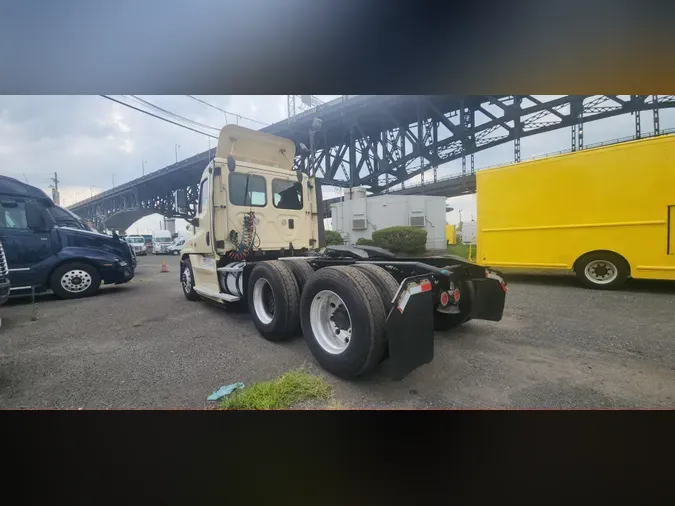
[14,187]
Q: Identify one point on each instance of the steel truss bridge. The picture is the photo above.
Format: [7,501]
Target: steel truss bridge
[382,141]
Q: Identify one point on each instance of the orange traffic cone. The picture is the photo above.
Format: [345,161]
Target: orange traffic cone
[164,269]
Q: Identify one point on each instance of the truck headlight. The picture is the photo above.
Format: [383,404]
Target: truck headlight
[122,263]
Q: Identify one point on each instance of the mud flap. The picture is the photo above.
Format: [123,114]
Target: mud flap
[410,326]
[488,298]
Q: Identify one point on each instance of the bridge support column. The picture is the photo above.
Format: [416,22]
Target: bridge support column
[577,112]
[657,127]
[517,129]
[171,225]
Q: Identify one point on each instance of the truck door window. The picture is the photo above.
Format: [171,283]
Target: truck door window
[203,196]
[287,194]
[13,216]
[247,190]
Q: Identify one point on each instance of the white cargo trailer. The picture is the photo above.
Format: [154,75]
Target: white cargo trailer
[359,216]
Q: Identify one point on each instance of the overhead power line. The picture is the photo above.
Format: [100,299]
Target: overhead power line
[158,117]
[226,112]
[171,114]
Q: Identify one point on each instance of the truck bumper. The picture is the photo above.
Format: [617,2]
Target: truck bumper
[117,275]
[4,291]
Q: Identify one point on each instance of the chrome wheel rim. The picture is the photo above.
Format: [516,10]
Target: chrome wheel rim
[263,301]
[331,322]
[601,272]
[76,281]
[187,280]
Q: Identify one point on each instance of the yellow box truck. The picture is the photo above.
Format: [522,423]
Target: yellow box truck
[606,213]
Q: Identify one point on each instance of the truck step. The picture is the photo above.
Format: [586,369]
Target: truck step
[215,295]
[227,268]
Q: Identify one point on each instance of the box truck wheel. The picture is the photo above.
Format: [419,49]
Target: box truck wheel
[301,270]
[273,300]
[75,280]
[187,280]
[343,321]
[602,270]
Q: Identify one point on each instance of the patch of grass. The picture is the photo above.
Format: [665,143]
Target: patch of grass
[293,387]
[462,250]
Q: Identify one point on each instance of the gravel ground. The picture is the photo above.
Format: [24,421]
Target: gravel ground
[142,345]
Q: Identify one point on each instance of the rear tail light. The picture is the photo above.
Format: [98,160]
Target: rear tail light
[456,295]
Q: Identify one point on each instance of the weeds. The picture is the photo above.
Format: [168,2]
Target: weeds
[291,388]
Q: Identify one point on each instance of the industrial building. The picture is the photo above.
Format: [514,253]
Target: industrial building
[358,217]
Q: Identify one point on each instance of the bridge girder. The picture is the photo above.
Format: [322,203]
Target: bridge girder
[377,142]
[382,158]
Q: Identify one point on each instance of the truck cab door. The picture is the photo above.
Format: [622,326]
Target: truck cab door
[203,242]
[203,259]
[28,250]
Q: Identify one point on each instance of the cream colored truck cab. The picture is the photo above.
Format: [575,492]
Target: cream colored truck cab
[251,204]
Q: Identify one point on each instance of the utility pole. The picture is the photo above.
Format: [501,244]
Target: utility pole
[143,164]
[91,191]
[55,188]
[113,179]
[177,146]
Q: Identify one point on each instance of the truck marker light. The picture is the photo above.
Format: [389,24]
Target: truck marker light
[456,295]
[445,298]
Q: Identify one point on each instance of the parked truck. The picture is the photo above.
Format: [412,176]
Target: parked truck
[606,214]
[258,240]
[161,240]
[43,256]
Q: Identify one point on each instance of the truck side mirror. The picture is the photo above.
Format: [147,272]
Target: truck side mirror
[36,216]
[194,222]
[231,163]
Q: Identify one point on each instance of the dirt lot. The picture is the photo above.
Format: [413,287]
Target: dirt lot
[143,345]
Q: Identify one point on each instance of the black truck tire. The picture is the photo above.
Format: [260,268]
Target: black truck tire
[384,282]
[365,315]
[75,280]
[445,321]
[187,281]
[301,270]
[273,300]
[602,270]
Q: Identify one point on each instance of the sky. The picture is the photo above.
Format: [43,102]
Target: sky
[93,143]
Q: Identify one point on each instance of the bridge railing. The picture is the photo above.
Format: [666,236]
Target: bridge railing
[538,157]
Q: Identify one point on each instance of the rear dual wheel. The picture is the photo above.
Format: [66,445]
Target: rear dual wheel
[343,320]
[273,299]
[341,311]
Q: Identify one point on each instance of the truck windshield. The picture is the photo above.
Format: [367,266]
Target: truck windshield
[136,240]
[163,239]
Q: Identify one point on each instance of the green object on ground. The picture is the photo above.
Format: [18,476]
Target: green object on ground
[291,388]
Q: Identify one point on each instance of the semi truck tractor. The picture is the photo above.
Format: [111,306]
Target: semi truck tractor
[258,241]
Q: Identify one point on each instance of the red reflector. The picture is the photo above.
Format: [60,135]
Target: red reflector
[445,298]
[455,295]
[504,287]
[425,285]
